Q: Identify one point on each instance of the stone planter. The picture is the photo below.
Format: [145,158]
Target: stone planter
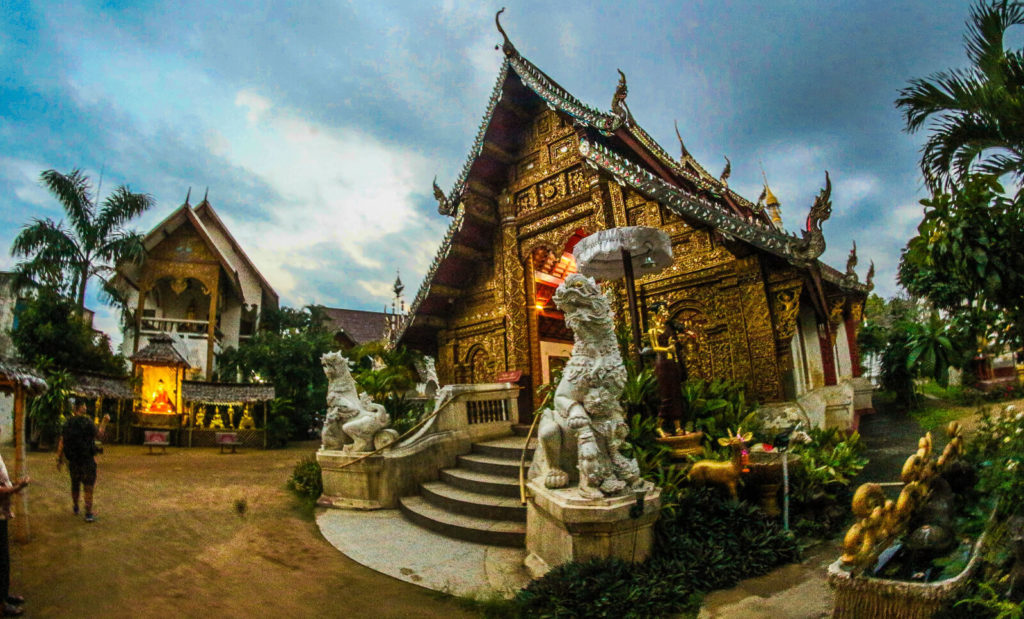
[860,596]
[683,445]
[766,473]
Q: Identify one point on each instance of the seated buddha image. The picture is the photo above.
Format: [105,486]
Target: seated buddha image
[161,401]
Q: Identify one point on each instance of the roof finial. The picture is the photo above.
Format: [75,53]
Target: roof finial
[870,280]
[619,107]
[206,193]
[444,207]
[851,262]
[684,154]
[726,173]
[188,195]
[506,46]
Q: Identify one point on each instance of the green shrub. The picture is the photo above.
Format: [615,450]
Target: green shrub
[706,543]
[306,480]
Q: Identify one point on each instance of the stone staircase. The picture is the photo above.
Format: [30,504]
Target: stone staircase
[478,500]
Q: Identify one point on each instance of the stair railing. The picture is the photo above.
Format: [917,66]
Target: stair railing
[522,459]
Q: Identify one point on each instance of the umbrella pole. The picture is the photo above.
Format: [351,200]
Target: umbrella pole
[634,317]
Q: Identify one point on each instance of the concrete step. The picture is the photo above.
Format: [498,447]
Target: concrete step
[484,483]
[520,429]
[491,465]
[467,503]
[510,447]
[468,528]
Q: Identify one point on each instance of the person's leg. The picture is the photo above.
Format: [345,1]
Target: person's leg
[5,562]
[75,485]
[89,483]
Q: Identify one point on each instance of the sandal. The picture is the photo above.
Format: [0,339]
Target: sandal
[10,610]
[17,600]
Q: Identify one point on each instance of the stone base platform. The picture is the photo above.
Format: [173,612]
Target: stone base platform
[562,526]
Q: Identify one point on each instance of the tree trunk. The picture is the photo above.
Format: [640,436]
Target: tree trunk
[84,275]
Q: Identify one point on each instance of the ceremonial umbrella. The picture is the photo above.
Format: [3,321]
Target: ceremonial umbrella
[620,252]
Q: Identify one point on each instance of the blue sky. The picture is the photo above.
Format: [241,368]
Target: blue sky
[318,128]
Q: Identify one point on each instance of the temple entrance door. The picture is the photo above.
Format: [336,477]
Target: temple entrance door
[551,340]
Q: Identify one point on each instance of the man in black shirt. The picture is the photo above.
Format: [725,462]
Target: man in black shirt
[78,445]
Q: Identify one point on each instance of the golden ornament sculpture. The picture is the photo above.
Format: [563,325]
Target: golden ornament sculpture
[725,473]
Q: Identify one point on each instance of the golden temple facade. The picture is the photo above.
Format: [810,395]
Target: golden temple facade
[547,170]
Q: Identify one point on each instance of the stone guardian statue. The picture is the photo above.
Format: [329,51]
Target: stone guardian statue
[354,423]
[579,438]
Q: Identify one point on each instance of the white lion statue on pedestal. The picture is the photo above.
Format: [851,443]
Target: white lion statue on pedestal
[354,422]
[580,437]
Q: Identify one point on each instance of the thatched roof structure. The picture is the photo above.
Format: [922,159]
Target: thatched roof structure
[225,393]
[160,351]
[90,385]
[14,374]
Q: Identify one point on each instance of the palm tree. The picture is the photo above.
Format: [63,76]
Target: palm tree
[66,259]
[976,114]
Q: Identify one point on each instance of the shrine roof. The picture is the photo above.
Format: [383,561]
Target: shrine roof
[92,385]
[226,393]
[16,374]
[160,351]
[360,326]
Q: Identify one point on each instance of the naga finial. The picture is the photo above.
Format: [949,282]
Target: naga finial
[726,173]
[506,46]
[851,262]
[443,205]
[684,154]
[619,107]
[870,280]
[821,210]
[812,242]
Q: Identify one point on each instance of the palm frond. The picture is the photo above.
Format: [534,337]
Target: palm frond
[985,30]
[122,247]
[72,190]
[120,207]
[47,239]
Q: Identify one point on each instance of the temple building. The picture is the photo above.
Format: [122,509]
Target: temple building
[197,285]
[547,170]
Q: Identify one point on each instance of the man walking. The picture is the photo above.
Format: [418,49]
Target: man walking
[78,445]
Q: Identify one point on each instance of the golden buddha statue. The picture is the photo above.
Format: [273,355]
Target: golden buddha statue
[161,402]
[662,339]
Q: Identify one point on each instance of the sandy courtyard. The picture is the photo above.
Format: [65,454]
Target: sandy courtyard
[170,541]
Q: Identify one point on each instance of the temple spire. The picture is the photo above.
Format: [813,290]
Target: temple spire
[771,202]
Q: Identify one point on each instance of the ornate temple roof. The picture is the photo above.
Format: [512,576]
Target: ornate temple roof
[615,143]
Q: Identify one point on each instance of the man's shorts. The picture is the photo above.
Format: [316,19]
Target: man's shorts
[83,472]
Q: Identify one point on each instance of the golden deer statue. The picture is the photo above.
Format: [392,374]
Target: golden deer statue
[724,473]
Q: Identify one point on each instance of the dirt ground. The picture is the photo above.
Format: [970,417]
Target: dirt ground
[171,540]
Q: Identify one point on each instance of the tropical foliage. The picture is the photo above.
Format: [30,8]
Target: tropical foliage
[975,115]
[51,333]
[967,258]
[286,352]
[64,259]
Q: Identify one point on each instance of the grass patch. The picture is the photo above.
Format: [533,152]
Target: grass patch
[932,419]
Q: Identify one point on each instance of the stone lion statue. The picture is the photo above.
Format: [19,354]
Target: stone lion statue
[580,437]
[354,422]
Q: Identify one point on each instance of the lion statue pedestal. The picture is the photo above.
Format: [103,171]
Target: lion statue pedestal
[354,427]
[588,499]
